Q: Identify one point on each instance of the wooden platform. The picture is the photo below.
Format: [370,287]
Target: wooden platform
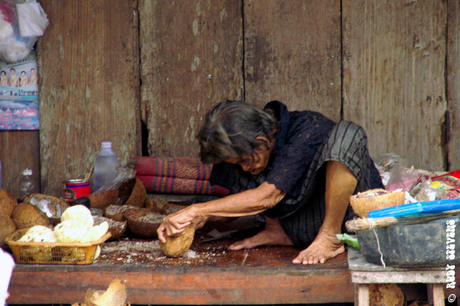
[209,274]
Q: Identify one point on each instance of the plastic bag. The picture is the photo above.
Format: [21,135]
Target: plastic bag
[403,178]
[32,19]
[425,190]
[14,46]
[394,173]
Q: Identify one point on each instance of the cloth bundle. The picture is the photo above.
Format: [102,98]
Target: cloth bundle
[176,175]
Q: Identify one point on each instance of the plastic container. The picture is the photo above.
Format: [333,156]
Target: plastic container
[26,184]
[426,244]
[106,166]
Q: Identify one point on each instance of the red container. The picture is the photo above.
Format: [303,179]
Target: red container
[74,189]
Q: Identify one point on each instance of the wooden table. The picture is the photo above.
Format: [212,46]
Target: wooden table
[364,273]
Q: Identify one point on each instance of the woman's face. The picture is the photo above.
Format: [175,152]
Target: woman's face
[255,163]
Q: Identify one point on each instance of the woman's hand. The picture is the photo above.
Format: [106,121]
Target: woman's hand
[174,224]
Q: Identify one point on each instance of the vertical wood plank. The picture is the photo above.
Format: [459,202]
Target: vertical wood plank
[362,295]
[191,55]
[88,60]
[19,150]
[292,54]
[394,76]
[453,82]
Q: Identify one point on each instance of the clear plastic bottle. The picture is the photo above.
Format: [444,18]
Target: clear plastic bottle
[26,184]
[106,166]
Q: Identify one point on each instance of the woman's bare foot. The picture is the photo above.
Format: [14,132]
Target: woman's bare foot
[324,247]
[273,234]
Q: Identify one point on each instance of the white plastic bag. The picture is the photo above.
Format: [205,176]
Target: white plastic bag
[15,47]
[32,19]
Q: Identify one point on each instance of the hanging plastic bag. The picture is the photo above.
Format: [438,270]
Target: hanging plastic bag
[32,19]
[14,14]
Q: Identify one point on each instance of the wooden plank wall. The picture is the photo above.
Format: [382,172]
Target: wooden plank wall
[394,76]
[292,54]
[89,86]
[107,65]
[191,55]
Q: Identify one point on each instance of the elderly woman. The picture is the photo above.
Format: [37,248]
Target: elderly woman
[296,169]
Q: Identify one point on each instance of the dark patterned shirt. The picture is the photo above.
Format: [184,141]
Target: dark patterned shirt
[299,138]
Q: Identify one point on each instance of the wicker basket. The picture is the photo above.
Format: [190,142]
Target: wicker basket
[80,253]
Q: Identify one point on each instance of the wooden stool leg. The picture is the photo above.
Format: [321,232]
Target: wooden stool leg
[435,294]
[362,294]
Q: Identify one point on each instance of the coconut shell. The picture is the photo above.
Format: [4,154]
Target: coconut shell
[103,199]
[7,227]
[176,246]
[116,212]
[138,195]
[7,202]
[364,202]
[155,204]
[162,206]
[27,215]
[143,222]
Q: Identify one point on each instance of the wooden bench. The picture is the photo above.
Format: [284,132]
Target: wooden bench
[364,273]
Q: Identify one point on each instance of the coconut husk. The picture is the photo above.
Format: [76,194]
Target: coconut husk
[115,295]
[176,246]
[53,207]
[27,215]
[7,202]
[7,227]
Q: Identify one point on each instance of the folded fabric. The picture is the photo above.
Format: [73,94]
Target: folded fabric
[183,167]
[174,185]
[176,175]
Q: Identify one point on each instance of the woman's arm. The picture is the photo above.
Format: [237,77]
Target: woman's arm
[249,202]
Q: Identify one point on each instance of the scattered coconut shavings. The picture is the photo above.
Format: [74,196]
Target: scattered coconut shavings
[148,252]
[151,218]
[128,246]
[190,254]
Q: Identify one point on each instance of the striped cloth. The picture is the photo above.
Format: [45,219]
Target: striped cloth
[347,143]
[176,175]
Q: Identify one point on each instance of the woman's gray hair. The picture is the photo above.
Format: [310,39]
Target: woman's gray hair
[231,130]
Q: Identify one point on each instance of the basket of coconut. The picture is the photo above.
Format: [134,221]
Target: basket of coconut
[75,240]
